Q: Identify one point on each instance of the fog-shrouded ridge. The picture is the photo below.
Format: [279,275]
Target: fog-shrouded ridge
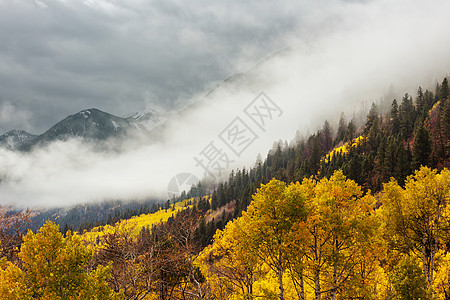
[357,52]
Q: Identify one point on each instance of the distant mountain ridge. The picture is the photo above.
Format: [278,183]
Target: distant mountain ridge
[91,125]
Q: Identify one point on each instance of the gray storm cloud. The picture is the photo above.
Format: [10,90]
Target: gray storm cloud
[335,55]
[58,57]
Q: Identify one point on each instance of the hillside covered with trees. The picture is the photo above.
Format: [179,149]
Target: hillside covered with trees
[359,213]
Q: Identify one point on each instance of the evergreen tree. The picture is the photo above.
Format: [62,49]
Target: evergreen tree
[351,131]
[421,148]
[342,130]
[428,99]
[407,117]
[394,119]
[316,154]
[420,101]
[372,118]
[446,125]
[326,137]
[443,93]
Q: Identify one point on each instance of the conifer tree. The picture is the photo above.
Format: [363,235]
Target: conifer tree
[407,117]
[372,118]
[421,147]
[326,137]
[420,101]
[443,92]
[342,130]
[351,131]
[394,119]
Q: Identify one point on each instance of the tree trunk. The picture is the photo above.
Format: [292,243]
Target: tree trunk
[424,258]
[433,253]
[333,291]
[199,287]
[249,287]
[280,275]
[302,288]
[317,292]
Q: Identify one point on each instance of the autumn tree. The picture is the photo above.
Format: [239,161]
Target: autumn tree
[13,226]
[408,280]
[129,274]
[54,267]
[230,264]
[270,218]
[342,229]
[417,216]
[180,232]
[157,262]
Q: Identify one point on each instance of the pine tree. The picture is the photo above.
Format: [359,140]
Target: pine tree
[443,93]
[342,130]
[446,125]
[394,119]
[407,117]
[421,147]
[326,137]
[351,131]
[372,118]
[316,154]
[420,101]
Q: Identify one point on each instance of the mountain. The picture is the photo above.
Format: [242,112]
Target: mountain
[14,138]
[91,125]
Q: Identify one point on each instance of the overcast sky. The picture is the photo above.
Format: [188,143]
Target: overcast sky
[58,57]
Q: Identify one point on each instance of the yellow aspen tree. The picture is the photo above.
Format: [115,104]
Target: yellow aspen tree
[270,218]
[12,282]
[230,263]
[342,228]
[54,267]
[417,216]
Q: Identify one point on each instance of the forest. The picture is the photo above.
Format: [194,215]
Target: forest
[356,212]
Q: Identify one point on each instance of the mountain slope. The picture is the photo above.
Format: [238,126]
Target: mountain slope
[14,138]
[148,119]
